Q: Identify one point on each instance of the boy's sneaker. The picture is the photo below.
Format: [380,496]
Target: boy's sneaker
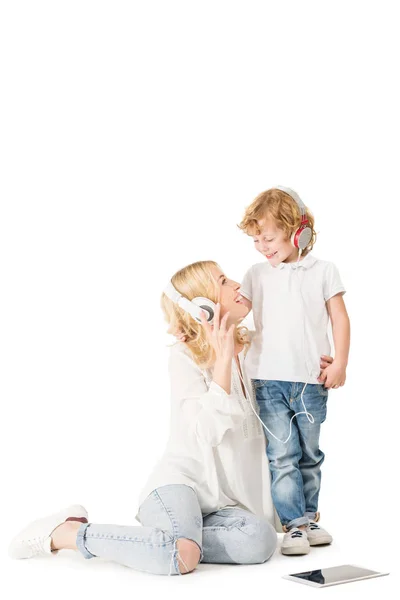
[35,539]
[295,542]
[317,536]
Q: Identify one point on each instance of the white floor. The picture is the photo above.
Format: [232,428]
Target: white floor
[68,575]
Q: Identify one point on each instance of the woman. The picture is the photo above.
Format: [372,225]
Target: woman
[209,497]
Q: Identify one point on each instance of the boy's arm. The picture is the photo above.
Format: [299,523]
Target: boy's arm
[340,328]
[335,375]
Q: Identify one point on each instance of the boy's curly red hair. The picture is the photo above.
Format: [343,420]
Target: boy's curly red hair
[282,209]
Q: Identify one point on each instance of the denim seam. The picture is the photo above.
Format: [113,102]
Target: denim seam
[175,532]
[172,521]
[126,539]
[174,558]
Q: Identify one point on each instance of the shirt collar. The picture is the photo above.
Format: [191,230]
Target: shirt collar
[307,262]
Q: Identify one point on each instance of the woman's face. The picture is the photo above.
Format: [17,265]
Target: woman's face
[229,297]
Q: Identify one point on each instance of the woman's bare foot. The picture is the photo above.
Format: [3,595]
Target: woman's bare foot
[64,536]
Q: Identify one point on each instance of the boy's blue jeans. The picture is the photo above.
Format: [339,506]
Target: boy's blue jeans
[295,466]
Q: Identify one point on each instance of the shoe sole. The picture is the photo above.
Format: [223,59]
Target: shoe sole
[320,542]
[295,551]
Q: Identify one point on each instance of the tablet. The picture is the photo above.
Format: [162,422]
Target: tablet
[333,575]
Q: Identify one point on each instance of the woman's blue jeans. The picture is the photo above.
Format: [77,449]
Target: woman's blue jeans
[171,512]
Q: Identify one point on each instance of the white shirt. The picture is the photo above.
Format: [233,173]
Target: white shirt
[290,317]
[216,444]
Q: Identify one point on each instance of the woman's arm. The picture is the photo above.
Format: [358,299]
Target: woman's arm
[222,341]
[222,374]
[207,412]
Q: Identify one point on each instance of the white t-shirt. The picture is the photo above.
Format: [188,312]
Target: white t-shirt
[290,317]
[216,444]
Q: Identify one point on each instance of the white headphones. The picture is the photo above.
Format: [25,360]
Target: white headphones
[302,236]
[193,307]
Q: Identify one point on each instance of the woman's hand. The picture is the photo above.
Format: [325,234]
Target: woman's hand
[223,342]
[219,336]
[325,362]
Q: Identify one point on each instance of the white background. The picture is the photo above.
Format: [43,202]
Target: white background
[133,135]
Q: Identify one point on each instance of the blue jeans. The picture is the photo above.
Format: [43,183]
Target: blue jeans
[296,465]
[171,512]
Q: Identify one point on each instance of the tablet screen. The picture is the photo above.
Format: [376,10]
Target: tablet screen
[333,575]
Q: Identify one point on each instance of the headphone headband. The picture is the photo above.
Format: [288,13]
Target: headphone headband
[172,293]
[303,235]
[295,197]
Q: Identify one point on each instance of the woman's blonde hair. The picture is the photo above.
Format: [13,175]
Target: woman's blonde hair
[192,281]
[282,209]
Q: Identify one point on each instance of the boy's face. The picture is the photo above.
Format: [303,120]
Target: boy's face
[274,244]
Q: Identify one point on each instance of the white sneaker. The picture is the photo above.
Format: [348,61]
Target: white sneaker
[317,535]
[35,539]
[295,542]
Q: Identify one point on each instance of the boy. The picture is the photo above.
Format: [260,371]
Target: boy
[293,295]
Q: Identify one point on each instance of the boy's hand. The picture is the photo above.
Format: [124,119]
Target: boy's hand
[333,376]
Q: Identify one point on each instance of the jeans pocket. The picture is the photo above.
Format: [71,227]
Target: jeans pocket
[257,383]
[322,391]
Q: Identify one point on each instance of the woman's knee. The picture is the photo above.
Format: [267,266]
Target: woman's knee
[261,541]
[188,555]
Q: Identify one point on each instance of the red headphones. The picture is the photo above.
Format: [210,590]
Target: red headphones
[303,235]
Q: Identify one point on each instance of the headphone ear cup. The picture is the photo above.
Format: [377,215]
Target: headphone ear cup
[207,305]
[301,237]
